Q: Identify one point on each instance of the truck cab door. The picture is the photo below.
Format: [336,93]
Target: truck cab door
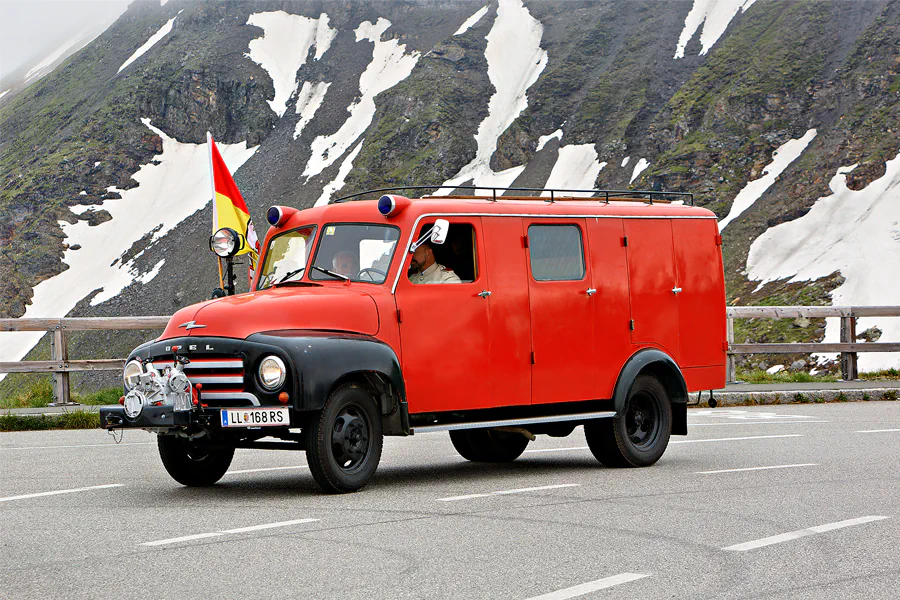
[444,332]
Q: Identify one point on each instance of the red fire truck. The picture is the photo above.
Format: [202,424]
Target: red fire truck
[493,317]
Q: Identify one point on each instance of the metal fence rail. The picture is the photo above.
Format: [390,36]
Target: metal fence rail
[61,366]
[848,346]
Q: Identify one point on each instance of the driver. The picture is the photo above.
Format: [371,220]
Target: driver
[345,263]
[424,269]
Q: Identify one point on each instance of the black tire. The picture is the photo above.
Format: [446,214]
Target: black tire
[639,436]
[344,440]
[190,464]
[488,445]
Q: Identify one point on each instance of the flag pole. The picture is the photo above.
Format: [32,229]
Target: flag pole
[212,183]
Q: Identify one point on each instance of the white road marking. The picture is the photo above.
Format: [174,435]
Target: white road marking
[793,535]
[743,415]
[58,492]
[755,423]
[265,469]
[508,492]
[591,586]
[109,445]
[557,449]
[734,439]
[878,431]
[269,526]
[756,469]
[200,536]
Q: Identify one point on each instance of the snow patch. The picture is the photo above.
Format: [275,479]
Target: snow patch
[515,61]
[343,171]
[4,93]
[542,141]
[167,193]
[638,169]
[284,47]
[775,369]
[781,158]
[389,66]
[308,102]
[471,21]
[154,39]
[625,161]
[855,232]
[82,193]
[576,167]
[83,208]
[714,15]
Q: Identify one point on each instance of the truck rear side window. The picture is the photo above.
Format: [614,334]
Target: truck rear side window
[556,252]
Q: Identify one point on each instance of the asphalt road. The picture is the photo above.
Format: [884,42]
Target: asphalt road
[792,501]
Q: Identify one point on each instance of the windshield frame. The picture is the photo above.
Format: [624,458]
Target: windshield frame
[262,259]
[325,279]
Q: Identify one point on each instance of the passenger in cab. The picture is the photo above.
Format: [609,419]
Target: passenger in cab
[424,269]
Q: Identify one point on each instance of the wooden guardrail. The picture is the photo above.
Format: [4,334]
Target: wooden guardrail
[848,346]
[61,366]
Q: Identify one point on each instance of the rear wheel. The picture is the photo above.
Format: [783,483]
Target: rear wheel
[190,464]
[639,436]
[344,440]
[488,445]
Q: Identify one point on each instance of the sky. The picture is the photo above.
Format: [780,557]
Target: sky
[32,29]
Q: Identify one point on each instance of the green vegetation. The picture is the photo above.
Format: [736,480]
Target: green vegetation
[759,376]
[71,420]
[40,394]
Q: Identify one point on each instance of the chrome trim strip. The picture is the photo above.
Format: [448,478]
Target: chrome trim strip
[214,363]
[222,379]
[415,226]
[229,396]
[512,422]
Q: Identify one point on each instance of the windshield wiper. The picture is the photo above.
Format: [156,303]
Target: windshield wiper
[332,273]
[289,275]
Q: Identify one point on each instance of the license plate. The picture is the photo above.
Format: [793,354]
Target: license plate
[256,417]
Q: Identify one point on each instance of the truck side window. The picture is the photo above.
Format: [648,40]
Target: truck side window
[458,253]
[556,252]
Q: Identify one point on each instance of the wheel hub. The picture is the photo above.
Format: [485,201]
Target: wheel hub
[350,439]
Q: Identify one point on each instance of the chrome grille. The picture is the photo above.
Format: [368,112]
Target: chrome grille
[221,378]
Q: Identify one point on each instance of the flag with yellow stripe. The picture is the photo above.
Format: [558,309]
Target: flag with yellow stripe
[229,208]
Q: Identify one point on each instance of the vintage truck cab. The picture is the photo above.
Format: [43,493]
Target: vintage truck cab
[496,318]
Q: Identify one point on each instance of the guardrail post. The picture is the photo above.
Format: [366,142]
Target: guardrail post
[59,350]
[730,366]
[849,370]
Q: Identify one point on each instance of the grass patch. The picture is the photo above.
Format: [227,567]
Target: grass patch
[881,375]
[72,420]
[760,376]
[40,394]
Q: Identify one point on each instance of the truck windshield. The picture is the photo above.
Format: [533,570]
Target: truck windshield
[286,256]
[355,252]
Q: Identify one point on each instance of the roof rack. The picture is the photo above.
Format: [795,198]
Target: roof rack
[646,196]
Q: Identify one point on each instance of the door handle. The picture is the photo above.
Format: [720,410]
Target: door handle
[676,290]
[484,293]
[590,292]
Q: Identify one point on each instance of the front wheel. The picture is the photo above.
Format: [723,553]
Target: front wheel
[344,440]
[488,445]
[639,436]
[190,464]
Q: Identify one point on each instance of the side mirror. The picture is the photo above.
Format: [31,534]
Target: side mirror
[436,235]
[439,231]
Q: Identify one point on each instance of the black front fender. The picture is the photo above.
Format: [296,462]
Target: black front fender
[324,358]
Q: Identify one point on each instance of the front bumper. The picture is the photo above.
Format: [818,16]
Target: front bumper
[113,417]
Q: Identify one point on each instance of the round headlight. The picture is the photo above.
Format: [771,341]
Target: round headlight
[225,242]
[272,372]
[133,370]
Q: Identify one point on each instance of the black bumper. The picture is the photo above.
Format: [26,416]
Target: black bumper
[113,417]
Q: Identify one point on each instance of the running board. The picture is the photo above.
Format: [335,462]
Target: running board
[513,422]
